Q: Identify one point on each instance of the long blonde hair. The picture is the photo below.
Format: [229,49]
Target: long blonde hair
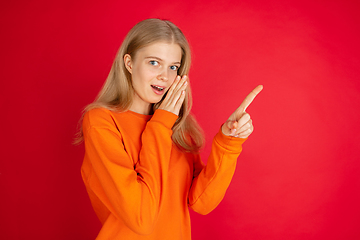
[117,92]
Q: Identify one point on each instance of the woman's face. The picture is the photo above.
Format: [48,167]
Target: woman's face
[153,70]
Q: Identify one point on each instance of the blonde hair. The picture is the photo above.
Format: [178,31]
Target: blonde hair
[117,92]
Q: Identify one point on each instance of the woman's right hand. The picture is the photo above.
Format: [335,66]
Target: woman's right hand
[175,95]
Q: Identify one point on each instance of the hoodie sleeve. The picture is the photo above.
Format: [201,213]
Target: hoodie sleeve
[131,193]
[211,181]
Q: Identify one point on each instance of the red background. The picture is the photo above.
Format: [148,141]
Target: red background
[298,176]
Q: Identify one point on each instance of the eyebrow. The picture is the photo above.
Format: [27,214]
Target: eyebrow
[157,58]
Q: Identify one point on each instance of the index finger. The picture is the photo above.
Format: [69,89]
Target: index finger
[249,98]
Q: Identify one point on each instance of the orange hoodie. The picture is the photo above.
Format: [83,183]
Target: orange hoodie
[140,184]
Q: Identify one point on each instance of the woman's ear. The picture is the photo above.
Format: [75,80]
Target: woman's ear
[128,63]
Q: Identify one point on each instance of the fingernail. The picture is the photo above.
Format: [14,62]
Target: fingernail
[185,83]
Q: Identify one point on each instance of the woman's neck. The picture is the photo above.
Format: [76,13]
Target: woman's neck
[142,109]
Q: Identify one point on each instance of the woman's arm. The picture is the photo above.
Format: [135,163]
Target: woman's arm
[132,193]
[211,181]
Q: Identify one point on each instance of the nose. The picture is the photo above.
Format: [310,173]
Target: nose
[163,75]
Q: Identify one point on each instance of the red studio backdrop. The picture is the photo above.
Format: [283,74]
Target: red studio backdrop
[298,175]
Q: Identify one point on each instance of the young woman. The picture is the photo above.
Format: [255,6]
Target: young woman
[142,168]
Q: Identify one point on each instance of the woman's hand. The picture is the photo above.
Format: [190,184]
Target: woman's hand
[175,96]
[239,123]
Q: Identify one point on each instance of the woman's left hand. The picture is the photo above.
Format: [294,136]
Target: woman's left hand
[239,123]
[175,96]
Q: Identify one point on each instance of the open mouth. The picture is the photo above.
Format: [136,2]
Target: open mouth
[157,88]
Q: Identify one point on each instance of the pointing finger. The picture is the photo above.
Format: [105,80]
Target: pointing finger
[249,98]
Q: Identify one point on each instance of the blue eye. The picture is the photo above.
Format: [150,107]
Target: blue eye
[154,63]
[175,68]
